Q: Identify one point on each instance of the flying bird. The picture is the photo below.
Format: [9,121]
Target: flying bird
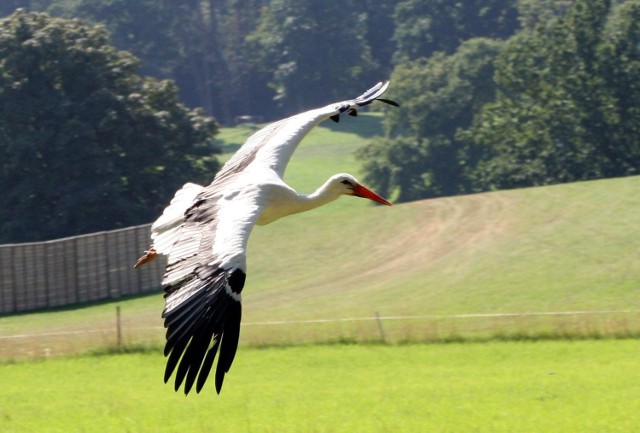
[204,232]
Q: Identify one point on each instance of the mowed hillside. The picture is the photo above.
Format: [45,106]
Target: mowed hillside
[560,248]
[572,247]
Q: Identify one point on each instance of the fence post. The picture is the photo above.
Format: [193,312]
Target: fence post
[13,280]
[380,328]
[118,327]
[47,276]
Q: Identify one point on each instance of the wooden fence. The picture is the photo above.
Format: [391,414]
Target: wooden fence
[75,270]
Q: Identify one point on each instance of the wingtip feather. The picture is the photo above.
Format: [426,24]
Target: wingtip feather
[389,101]
[374,94]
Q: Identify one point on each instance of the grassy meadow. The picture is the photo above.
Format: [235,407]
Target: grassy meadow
[530,294]
[559,386]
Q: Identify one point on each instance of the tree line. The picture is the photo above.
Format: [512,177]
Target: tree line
[270,58]
[494,94]
[557,101]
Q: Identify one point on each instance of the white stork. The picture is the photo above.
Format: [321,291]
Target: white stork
[204,233]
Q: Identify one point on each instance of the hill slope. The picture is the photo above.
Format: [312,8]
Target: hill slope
[566,247]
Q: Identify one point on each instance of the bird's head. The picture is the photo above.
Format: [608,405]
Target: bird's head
[348,185]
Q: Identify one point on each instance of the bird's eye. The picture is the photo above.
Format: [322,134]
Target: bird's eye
[346,182]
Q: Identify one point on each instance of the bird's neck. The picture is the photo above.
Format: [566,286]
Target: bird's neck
[323,195]
[290,202]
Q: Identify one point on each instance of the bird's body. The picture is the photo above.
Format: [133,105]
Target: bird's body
[204,233]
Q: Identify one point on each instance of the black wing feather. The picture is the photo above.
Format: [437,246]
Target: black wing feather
[174,357]
[389,101]
[206,366]
[205,322]
[228,345]
[197,350]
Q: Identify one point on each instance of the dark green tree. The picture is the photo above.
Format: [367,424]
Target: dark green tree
[7,7]
[424,27]
[86,144]
[144,28]
[533,13]
[247,85]
[316,51]
[564,112]
[619,57]
[438,96]
[199,44]
[380,27]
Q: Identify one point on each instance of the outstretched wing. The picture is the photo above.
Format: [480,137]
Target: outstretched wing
[272,146]
[204,277]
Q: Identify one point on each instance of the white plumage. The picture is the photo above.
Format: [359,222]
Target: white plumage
[204,232]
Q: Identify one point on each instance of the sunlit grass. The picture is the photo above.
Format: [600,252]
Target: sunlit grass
[563,387]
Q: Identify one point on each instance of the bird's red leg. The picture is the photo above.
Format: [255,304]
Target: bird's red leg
[146,258]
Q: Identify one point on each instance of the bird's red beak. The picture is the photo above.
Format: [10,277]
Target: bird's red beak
[363,192]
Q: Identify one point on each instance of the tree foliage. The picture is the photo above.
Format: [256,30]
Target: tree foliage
[184,49]
[556,102]
[233,57]
[316,50]
[85,143]
[424,157]
[426,27]
[565,110]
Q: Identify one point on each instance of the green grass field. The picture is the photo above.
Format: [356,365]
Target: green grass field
[563,387]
